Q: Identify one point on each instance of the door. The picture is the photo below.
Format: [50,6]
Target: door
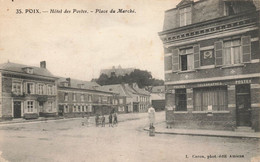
[61,110]
[17,109]
[243,105]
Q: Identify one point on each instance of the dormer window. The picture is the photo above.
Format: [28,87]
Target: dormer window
[185,16]
[80,85]
[28,70]
[65,84]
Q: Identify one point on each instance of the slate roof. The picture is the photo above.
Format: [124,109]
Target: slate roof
[117,88]
[19,68]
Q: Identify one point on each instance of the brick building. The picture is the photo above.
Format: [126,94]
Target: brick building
[27,91]
[77,98]
[212,64]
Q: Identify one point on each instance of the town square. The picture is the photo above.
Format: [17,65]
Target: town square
[129,81]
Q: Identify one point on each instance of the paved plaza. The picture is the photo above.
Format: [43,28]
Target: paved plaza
[67,140]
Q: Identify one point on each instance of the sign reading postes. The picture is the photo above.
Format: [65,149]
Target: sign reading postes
[246,81]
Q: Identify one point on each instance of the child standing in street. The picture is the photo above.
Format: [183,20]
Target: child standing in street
[110,120]
[115,119]
[97,120]
[103,121]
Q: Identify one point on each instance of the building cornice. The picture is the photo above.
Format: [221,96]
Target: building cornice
[256,75]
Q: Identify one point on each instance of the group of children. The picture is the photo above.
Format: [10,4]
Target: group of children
[112,118]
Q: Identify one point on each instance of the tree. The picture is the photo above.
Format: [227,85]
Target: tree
[142,77]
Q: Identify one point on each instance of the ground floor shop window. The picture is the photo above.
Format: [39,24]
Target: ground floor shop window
[180,100]
[210,99]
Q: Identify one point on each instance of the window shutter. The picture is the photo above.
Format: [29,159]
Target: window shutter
[36,88]
[196,50]
[246,48]
[175,60]
[25,88]
[219,53]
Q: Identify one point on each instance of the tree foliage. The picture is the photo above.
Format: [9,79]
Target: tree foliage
[142,77]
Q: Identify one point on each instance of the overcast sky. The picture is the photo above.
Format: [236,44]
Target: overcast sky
[80,45]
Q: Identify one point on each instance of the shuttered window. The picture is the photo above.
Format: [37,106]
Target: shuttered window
[232,52]
[186,59]
[218,52]
[175,60]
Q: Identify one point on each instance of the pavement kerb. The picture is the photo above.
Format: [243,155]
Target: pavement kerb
[200,134]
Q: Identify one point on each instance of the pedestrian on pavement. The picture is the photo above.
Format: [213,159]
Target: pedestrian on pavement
[110,118]
[97,120]
[103,119]
[115,119]
[151,116]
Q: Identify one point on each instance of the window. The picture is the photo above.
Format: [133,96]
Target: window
[185,16]
[29,70]
[210,99]
[74,96]
[99,99]
[120,101]
[50,106]
[82,97]
[89,98]
[74,109]
[30,88]
[41,89]
[232,52]
[50,90]
[180,100]
[66,108]
[30,106]
[186,59]
[121,108]
[78,108]
[66,96]
[16,87]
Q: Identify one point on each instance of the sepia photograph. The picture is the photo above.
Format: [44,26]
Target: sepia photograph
[129,81]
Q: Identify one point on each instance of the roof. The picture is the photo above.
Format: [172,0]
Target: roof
[117,88]
[158,89]
[19,68]
[74,83]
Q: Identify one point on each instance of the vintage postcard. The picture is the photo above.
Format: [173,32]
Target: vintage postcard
[129,80]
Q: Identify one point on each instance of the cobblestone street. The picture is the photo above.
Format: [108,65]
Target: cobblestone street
[68,140]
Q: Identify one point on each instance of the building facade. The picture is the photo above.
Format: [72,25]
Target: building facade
[77,98]
[212,64]
[27,91]
[133,98]
[158,97]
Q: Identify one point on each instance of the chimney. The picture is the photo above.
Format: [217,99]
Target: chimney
[43,64]
[68,79]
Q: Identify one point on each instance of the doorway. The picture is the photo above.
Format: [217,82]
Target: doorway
[243,105]
[17,109]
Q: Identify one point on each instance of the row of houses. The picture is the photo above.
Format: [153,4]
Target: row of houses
[32,92]
[212,66]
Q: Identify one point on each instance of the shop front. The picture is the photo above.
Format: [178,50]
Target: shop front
[223,105]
